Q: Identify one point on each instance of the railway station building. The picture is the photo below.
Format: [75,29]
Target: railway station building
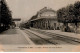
[45,19]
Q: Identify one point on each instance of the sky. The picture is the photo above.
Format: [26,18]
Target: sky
[25,9]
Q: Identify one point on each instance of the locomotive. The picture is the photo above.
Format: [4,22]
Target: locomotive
[5,16]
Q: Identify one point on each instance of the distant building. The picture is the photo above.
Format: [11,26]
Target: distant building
[45,19]
[17,21]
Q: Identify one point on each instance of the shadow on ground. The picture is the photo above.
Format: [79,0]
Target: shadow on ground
[9,32]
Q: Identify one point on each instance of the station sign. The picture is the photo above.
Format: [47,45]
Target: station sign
[17,19]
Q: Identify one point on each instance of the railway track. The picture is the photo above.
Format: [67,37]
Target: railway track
[67,39]
[39,40]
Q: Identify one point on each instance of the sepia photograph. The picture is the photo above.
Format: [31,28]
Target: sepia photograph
[39,25]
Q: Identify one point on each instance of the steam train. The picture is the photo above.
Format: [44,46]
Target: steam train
[5,16]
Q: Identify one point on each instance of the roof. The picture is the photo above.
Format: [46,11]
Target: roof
[45,9]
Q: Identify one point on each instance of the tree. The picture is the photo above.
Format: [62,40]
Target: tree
[5,13]
[66,15]
[69,14]
[77,12]
[5,16]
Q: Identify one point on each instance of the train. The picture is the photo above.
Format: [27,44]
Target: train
[5,16]
[25,25]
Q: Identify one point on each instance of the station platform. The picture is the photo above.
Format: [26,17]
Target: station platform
[13,37]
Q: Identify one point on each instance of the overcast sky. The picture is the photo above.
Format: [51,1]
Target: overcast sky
[25,9]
